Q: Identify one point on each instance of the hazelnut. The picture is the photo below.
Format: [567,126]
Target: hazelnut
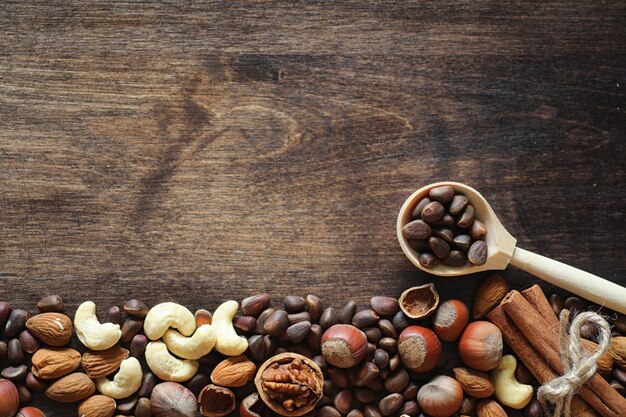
[170,399]
[30,412]
[419,348]
[9,398]
[481,345]
[419,302]
[252,406]
[450,320]
[441,397]
[344,346]
[216,401]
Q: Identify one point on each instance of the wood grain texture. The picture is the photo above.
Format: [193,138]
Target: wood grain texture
[196,152]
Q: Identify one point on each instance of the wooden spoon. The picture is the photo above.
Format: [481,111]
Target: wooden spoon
[502,251]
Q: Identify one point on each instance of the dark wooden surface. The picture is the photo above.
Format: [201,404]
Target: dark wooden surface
[200,152]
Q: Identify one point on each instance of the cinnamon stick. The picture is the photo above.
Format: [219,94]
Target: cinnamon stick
[539,333]
[537,298]
[529,356]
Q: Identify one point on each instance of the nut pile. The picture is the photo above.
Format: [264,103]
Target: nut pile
[413,356]
[445,229]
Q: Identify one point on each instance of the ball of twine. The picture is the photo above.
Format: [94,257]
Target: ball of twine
[578,365]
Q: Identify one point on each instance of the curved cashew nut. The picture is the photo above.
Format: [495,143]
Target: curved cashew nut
[168,367]
[91,332]
[193,347]
[228,341]
[125,383]
[165,315]
[509,391]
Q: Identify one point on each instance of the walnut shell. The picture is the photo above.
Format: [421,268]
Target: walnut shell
[286,392]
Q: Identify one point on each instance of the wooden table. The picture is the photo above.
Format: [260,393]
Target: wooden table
[200,152]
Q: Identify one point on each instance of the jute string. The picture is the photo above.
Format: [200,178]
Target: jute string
[578,365]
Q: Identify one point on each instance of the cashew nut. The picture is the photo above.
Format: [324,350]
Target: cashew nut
[165,315]
[168,367]
[509,391]
[228,341]
[91,332]
[125,383]
[193,347]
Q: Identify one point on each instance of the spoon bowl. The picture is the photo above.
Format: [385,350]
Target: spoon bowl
[500,244]
[502,251]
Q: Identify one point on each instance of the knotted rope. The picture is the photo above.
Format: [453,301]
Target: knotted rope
[578,365]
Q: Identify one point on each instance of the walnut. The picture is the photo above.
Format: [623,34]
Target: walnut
[290,384]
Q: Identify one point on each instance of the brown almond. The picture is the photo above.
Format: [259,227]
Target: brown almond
[618,351]
[72,388]
[97,406]
[235,371]
[53,363]
[489,408]
[489,294]
[474,383]
[54,329]
[605,363]
[102,363]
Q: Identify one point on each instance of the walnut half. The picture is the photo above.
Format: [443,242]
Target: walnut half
[290,384]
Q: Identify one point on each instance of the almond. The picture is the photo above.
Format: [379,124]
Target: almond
[489,294]
[104,362]
[235,371]
[97,406]
[54,329]
[53,363]
[618,351]
[489,408]
[474,383]
[72,388]
[605,363]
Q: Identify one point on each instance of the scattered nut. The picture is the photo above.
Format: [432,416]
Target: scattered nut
[489,408]
[101,363]
[10,398]
[474,383]
[50,304]
[290,384]
[491,291]
[228,342]
[165,315]
[97,406]
[507,389]
[192,347]
[125,383]
[71,388]
[235,371]
[53,363]
[419,302]
[136,308]
[54,329]
[216,401]
[170,399]
[91,332]
[168,367]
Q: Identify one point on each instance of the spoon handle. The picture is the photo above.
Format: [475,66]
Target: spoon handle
[589,286]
